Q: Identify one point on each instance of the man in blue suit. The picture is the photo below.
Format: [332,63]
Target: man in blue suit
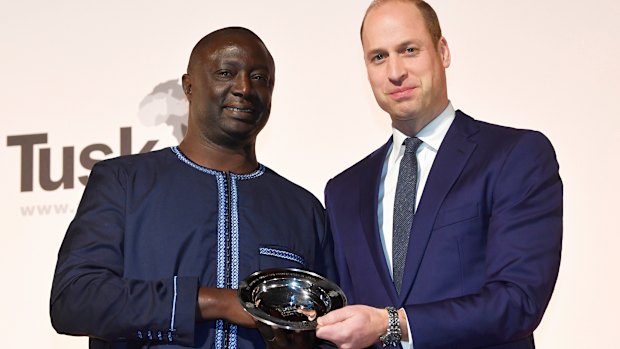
[482,247]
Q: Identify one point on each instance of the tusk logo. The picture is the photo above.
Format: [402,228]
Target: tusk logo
[165,104]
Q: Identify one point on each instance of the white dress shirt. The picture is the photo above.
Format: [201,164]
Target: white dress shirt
[431,135]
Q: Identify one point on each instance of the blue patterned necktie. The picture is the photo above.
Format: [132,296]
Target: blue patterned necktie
[404,204]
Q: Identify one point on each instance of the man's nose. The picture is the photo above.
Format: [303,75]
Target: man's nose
[242,85]
[396,70]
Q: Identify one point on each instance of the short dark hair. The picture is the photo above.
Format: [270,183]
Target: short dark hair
[429,15]
[228,31]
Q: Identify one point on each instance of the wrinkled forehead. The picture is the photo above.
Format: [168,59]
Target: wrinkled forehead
[239,47]
[391,24]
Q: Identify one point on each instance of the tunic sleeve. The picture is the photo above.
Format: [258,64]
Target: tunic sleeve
[90,295]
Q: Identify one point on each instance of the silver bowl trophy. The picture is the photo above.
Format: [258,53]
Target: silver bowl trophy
[285,303]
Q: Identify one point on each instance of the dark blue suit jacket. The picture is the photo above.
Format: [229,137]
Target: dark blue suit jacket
[485,243]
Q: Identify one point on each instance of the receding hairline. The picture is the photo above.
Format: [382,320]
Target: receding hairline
[431,20]
[207,40]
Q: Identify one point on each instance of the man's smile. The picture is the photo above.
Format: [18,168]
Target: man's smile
[241,110]
[401,93]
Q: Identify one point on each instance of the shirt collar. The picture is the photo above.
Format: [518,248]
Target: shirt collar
[432,134]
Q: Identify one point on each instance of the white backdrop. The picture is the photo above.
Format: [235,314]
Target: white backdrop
[77,71]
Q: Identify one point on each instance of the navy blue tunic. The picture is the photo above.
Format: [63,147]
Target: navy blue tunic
[153,228]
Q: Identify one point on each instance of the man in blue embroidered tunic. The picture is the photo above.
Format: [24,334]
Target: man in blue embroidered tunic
[161,240]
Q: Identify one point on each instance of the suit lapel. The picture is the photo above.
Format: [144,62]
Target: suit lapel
[451,158]
[369,189]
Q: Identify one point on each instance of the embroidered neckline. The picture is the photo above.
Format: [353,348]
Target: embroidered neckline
[257,173]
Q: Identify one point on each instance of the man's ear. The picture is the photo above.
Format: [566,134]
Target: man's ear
[186,81]
[444,52]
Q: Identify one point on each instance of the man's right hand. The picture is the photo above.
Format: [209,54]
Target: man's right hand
[354,326]
[222,303]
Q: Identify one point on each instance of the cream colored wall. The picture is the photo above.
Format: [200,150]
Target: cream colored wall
[77,71]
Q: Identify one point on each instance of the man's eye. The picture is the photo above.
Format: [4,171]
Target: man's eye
[224,73]
[378,57]
[410,50]
[262,79]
